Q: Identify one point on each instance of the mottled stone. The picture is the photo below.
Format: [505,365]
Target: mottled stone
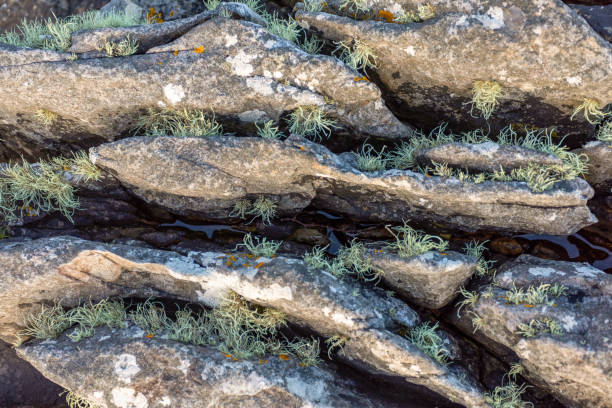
[488,156]
[599,17]
[67,269]
[600,164]
[12,12]
[574,366]
[169,9]
[206,176]
[430,67]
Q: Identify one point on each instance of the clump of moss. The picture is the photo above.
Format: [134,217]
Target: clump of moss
[310,121]
[54,33]
[410,242]
[485,97]
[123,48]
[592,111]
[356,54]
[178,123]
[426,339]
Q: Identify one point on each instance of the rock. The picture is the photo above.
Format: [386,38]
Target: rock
[487,157]
[598,17]
[205,177]
[125,369]
[574,366]
[430,68]
[11,55]
[430,280]
[243,74]
[67,269]
[169,9]
[309,236]
[13,11]
[17,380]
[600,164]
[506,246]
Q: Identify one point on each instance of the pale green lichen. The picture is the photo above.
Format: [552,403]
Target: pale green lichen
[426,339]
[369,160]
[410,242]
[178,123]
[123,48]
[592,111]
[536,327]
[268,131]
[604,133]
[259,246]
[507,396]
[310,121]
[540,295]
[356,54]
[485,97]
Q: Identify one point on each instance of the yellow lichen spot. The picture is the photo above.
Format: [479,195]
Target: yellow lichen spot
[283,357]
[246,265]
[226,355]
[592,111]
[259,265]
[199,50]
[149,335]
[442,253]
[302,364]
[220,257]
[171,13]
[302,148]
[386,15]
[427,175]
[175,53]
[233,258]
[325,156]
[527,305]
[260,361]
[159,63]
[228,263]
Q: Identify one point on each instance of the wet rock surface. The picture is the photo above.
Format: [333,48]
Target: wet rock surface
[430,67]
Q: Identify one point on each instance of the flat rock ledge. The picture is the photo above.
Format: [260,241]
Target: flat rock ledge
[205,177]
[233,68]
[430,280]
[431,66]
[575,366]
[70,270]
[125,369]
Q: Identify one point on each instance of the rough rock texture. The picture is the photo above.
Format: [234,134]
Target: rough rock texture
[431,67]
[67,269]
[206,176]
[170,9]
[134,371]
[576,367]
[430,280]
[243,72]
[488,156]
[598,17]
[600,164]
[13,11]
[18,379]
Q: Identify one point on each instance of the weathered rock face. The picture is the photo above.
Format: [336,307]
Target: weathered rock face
[130,373]
[431,67]
[600,164]
[598,17]
[18,379]
[430,280]
[488,156]
[13,11]
[169,9]
[68,269]
[574,366]
[206,176]
[243,73]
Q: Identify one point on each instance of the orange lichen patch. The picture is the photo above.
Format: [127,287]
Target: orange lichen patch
[260,361]
[302,364]
[228,263]
[171,13]
[554,305]
[387,15]
[233,258]
[199,50]
[325,156]
[159,63]
[235,359]
[226,355]
[442,253]
[175,53]
[259,265]
[302,148]
[283,357]
[427,175]
[149,335]
[363,78]
[220,256]
[250,256]
[246,265]
[527,305]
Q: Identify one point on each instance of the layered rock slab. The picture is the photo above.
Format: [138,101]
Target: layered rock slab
[233,68]
[574,366]
[69,269]
[205,177]
[431,67]
[125,369]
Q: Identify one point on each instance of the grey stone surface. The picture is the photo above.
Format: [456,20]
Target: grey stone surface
[600,164]
[243,75]
[574,366]
[431,67]
[21,384]
[67,269]
[206,176]
[430,280]
[488,156]
[13,11]
[599,17]
[170,9]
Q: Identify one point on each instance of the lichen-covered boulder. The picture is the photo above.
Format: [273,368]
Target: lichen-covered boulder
[68,269]
[600,164]
[205,177]
[232,68]
[431,67]
[430,280]
[563,341]
[126,369]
